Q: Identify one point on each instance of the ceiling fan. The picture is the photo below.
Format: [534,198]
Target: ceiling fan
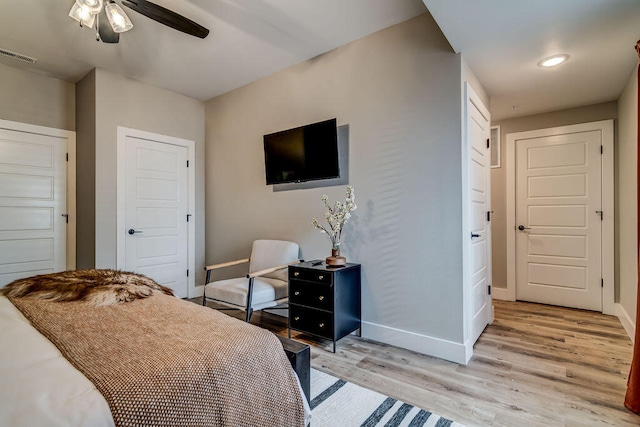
[111,20]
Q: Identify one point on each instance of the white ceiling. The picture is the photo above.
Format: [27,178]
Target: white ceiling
[249,39]
[501,40]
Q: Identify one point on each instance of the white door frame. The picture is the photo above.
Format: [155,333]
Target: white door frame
[69,139]
[123,133]
[608,264]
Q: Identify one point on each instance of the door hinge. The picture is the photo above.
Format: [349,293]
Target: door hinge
[187,163]
[602,283]
[488,143]
[489,216]
[188,217]
[601,213]
[187,273]
[66,218]
[601,149]
[489,289]
[67,157]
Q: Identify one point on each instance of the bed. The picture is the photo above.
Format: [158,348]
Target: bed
[115,358]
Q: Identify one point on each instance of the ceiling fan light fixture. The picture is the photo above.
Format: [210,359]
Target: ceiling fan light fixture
[119,20]
[94,6]
[552,61]
[82,14]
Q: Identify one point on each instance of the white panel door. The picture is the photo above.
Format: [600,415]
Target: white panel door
[558,220]
[32,205]
[156,209]
[479,170]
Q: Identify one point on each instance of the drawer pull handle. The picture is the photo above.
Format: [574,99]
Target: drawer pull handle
[320,277]
[296,273]
[296,318]
[296,293]
[321,298]
[321,325]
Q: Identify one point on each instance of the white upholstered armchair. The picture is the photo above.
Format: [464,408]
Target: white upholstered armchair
[266,284]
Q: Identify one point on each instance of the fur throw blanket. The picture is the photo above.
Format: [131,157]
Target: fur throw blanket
[99,287]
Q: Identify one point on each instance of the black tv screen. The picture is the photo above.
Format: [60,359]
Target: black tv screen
[305,153]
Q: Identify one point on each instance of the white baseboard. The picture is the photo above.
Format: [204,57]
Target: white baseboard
[431,346]
[499,293]
[627,321]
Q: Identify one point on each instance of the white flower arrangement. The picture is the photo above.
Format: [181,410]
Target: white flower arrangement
[336,217]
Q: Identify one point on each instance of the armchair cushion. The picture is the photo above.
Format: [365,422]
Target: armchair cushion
[234,291]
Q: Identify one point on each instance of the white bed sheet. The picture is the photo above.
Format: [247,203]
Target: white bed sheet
[38,385]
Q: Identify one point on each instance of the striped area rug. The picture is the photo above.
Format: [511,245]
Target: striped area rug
[337,403]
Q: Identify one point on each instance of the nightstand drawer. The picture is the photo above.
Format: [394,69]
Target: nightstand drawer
[310,275]
[314,295]
[312,321]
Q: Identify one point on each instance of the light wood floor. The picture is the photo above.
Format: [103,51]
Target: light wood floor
[536,365]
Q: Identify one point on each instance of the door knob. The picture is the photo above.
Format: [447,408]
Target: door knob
[474,235]
[132,231]
[522,228]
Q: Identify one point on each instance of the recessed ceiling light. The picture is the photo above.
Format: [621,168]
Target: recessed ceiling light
[552,61]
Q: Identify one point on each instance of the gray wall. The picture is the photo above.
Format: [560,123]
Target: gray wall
[86,171]
[32,98]
[399,92]
[120,101]
[571,116]
[627,197]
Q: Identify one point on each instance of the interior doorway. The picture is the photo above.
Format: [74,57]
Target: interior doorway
[37,200]
[155,231]
[560,216]
[477,235]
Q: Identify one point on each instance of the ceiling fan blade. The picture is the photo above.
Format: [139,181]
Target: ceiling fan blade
[107,35]
[167,17]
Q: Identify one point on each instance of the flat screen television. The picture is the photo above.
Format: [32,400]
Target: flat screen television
[305,153]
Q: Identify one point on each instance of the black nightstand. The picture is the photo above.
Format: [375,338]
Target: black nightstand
[324,301]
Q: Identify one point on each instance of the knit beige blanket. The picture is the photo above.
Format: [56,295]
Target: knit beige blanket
[161,361]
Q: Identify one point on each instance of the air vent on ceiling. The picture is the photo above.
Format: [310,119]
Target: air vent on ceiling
[19,57]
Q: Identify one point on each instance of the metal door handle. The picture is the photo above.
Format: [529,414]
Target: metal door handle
[474,235]
[320,277]
[296,293]
[321,298]
[132,231]
[522,228]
